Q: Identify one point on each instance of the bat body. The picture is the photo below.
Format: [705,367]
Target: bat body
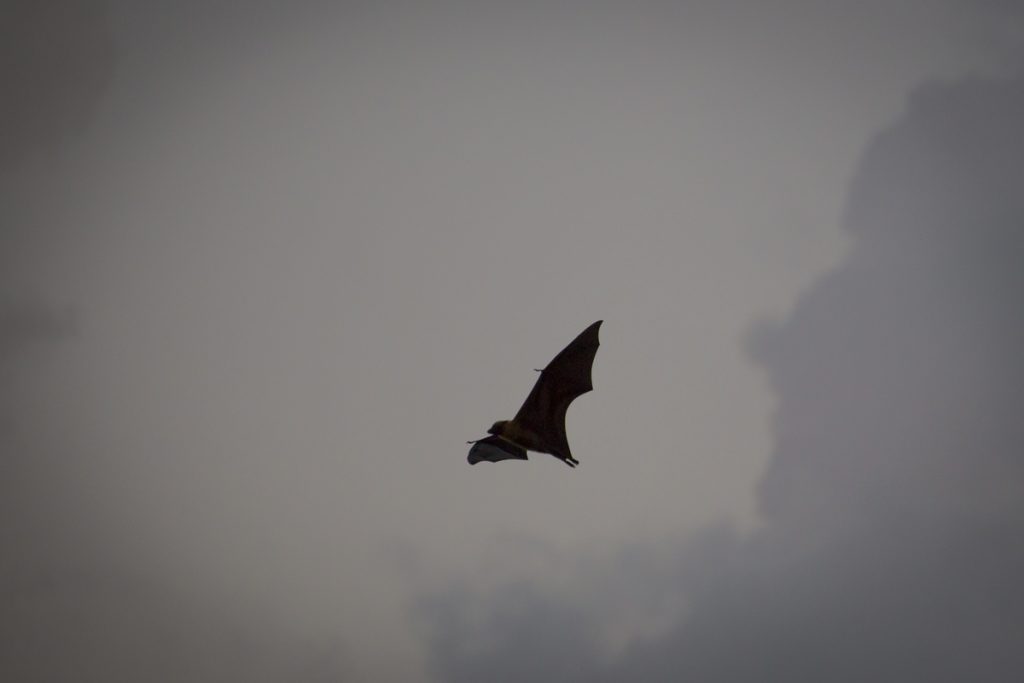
[540,424]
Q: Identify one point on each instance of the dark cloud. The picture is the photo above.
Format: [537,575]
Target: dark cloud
[893,542]
[506,644]
[56,60]
[76,605]
[23,324]
[80,600]
[68,624]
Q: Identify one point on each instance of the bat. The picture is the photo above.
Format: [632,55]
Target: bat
[540,424]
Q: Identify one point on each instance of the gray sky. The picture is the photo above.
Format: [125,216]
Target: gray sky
[266,267]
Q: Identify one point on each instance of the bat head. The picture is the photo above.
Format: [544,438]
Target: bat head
[498,428]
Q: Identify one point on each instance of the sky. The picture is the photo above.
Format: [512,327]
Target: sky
[266,266]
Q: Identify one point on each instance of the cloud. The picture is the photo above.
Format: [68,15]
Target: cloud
[67,624]
[58,58]
[77,602]
[81,601]
[893,503]
[23,323]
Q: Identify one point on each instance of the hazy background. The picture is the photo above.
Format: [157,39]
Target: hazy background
[266,266]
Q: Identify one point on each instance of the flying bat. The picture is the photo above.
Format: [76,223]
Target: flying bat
[540,424]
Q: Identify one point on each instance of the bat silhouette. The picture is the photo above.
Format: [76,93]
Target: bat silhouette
[540,424]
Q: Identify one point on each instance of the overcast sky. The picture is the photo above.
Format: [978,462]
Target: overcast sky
[266,266]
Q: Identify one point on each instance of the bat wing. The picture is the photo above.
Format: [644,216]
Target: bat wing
[565,378]
[494,449]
